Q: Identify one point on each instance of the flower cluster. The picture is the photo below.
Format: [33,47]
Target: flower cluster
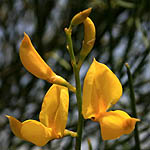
[101,90]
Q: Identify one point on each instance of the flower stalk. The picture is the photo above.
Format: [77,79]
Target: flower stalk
[78,87]
[79,103]
[133,107]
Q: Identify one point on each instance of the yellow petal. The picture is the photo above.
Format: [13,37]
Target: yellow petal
[101,89]
[31,130]
[36,133]
[116,123]
[32,61]
[54,110]
[15,126]
[80,17]
[129,125]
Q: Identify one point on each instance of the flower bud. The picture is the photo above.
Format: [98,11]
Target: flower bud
[89,39]
[80,17]
[89,36]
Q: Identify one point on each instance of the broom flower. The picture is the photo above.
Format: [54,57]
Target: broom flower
[33,62]
[101,90]
[53,119]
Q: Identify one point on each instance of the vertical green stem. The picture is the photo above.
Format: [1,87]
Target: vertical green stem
[70,46]
[78,89]
[79,103]
[133,106]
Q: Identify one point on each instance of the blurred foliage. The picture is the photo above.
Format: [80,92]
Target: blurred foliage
[123,35]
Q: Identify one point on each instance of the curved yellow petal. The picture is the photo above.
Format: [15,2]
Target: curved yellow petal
[101,89]
[116,123]
[32,61]
[36,133]
[54,110]
[15,126]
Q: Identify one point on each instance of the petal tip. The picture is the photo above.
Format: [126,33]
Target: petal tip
[94,59]
[7,116]
[25,34]
[26,39]
[129,125]
[88,11]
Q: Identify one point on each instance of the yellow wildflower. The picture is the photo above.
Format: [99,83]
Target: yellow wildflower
[33,62]
[101,90]
[53,119]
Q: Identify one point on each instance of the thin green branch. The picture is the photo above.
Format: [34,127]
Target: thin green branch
[133,107]
[68,32]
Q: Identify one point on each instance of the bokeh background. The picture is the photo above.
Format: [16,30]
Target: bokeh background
[122,35]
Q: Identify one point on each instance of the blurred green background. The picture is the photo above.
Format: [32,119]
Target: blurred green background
[122,35]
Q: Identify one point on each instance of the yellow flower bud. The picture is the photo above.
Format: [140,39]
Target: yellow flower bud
[89,40]
[89,36]
[80,17]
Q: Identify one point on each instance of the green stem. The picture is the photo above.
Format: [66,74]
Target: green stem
[133,107]
[70,46]
[79,103]
[78,88]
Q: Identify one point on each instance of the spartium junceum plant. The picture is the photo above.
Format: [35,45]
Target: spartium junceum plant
[101,90]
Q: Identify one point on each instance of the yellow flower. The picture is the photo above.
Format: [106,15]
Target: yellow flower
[33,62]
[101,90]
[53,119]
